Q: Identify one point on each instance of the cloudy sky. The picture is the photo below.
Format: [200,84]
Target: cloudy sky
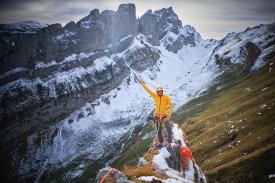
[212,18]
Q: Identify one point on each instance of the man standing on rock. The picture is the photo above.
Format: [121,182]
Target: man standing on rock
[163,112]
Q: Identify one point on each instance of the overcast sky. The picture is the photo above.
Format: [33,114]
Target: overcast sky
[211,18]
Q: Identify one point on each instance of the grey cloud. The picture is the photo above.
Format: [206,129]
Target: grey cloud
[210,17]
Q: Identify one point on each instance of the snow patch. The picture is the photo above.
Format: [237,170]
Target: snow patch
[159,159]
[27,27]
[148,178]
[177,132]
[169,39]
[258,64]
[13,71]
[264,88]
[73,57]
[101,63]
[248,89]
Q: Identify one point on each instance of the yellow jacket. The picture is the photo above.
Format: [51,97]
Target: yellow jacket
[162,103]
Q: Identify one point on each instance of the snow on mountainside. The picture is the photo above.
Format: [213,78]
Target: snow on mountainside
[234,47]
[22,27]
[96,126]
[85,102]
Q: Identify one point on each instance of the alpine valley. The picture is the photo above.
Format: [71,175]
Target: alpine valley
[71,102]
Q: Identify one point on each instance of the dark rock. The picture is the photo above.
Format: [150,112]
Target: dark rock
[225,139]
[142,58]
[222,62]
[250,53]
[55,29]
[71,26]
[192,35]
[121,45]
[126,20]
[177,45]
[174,160]
[150,27]
[155,25]
[118,176]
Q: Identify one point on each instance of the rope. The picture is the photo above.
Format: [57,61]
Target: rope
[157,131]
[156,136]
[104,177]
[155,139]
[161,122]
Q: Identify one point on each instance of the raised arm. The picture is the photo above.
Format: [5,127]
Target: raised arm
[147,89]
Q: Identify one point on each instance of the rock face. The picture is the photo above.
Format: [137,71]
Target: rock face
[250,53]
[50,73]
[249,49]
[156,24]
[47,50]
[174,160]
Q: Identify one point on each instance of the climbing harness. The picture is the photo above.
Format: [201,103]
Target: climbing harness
[161,121]
[156,127]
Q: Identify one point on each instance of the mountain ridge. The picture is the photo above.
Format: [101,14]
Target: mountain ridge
[60,77]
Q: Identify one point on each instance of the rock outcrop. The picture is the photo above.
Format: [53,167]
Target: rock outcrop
[114,174]
[156,24]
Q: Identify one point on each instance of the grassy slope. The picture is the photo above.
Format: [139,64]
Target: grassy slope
[231,130]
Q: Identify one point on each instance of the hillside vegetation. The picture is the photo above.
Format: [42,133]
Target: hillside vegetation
[231,130]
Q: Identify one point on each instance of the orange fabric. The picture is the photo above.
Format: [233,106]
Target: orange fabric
[185,157]
[163,103]
[186,153]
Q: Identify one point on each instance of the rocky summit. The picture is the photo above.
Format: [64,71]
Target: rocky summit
[69,94]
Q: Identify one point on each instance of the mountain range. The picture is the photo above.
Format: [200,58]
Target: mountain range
[70,96]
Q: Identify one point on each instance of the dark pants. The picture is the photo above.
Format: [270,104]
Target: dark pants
[168,128]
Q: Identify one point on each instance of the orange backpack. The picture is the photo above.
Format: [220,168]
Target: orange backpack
[185,156]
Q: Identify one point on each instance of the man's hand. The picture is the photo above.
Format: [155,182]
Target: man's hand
[140,80]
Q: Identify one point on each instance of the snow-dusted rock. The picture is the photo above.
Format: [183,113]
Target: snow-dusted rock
[70,92]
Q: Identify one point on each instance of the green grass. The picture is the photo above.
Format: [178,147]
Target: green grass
[226,126]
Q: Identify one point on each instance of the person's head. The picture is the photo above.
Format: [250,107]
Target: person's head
[159,90]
